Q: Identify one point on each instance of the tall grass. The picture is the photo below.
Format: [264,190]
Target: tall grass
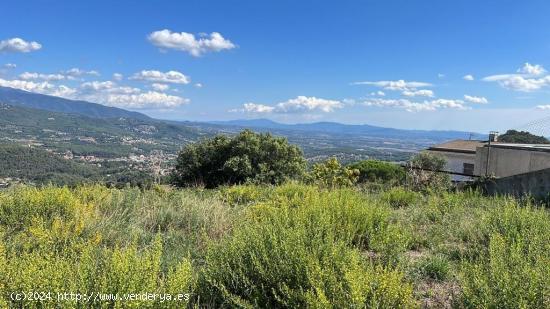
[274,246]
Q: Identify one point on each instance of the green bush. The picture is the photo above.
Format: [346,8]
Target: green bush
[434,267]
[514,269]
[379,171]
[400,197]
[292,258]
[331,174]
[423,175]
[247,157]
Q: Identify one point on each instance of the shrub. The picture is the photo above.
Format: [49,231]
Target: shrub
[514,269]
[331,174]
[273,265]
[434,267]
[422,172]
[400,197]
[379,171]
[247,157]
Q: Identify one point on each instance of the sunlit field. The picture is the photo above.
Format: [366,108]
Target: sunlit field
[292,245]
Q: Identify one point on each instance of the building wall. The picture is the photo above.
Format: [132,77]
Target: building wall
[504,162]
[455,163]
[535,184]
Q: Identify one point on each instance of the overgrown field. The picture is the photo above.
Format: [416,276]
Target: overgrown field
[286,246]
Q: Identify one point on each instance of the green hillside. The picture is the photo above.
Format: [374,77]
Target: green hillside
[111,137]
[40,166]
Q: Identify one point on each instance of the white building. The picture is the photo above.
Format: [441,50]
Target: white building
[460,156]
[478,158]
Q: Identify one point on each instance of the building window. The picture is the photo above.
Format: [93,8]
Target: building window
[468,168]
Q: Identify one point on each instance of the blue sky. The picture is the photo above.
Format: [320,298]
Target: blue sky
[400,64]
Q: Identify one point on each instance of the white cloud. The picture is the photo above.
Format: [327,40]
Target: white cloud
[529,78]
[198,85]
[411,106]
[299,104]
[98,86]
[257,108]
[530,69]
[103,92]
[39,87]
[173,77]
[418,93]
[468,77]
[18,45]
[378,93]
[76,72]
[39,76]
[543,107]
[518,82]
[476,100]
[187,42]
[397,85]
[160,87]
[10,65]
[146,100]
[118,76]
[440,75]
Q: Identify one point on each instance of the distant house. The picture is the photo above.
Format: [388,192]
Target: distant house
[460,156]
[471,158]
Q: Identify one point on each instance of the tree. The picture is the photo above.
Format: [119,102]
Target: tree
[522,137]
[378,171]
[247,157]
[423,172]
[332,174]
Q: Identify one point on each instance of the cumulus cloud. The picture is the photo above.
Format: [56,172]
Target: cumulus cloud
[476,100]
[543,107]
[198,85]
[468,77]
[189,43]
[18,45]
[98,86]
[173,77]
[300,104]
[528,78]
[418,93]
[39,87]
[76,72]
[10,65]
[40,76]
[160,87]
[103,92]
[118,76]
[257,108]
[146,100]
[530,69]
[411,106]
[396,85]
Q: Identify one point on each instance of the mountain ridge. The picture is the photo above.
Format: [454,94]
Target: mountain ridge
[17,97]
[365,129]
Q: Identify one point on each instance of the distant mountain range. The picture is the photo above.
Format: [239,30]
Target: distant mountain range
[339,128]
[93,129]
[23,98]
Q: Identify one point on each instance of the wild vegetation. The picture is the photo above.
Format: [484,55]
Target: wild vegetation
[522,137]
[319,238]
[292,245]
[39,167]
